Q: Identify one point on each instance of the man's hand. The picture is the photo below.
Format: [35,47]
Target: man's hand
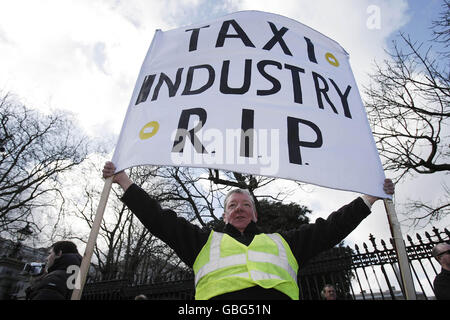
[388,187]
[120,178]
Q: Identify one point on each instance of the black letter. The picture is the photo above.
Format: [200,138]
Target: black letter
[190,76]
[343,98]
[194,38]
[276,84]
[247,127]
[294,142]
[296,82]
[322,91]
[225,89]
[145,89]
[173,88]
[311,53]
[277,37]
[240,34]
[182,132]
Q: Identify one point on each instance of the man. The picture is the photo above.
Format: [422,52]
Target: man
[241,262]
[441,252]
[328,292]
[53,285]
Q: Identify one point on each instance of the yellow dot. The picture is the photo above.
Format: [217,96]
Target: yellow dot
[145,133]
[332,59]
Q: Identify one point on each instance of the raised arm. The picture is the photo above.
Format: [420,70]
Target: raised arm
[185,238]
[311,239]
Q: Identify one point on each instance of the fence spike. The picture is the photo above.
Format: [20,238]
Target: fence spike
[372,239]
[447,232]
[409,238]
[435,230]
[383,244]
[437,233]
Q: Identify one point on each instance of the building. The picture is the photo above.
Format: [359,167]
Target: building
[13,257]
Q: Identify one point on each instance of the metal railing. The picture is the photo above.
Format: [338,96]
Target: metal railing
[373,273]
[357,274]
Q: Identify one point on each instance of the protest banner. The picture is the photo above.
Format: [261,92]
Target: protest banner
[251,92]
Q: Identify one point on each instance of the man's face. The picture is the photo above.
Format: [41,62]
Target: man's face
[239,211]
[444,255]
[52,256]
[330,293]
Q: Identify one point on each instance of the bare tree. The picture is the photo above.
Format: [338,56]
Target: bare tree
[428,211]
[199,193]
[408,104]
[441,28]
[35,149]
[124,248]
[189,192]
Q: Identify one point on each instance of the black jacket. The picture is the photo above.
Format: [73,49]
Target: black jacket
[53,286]
[442,285]
[187,239]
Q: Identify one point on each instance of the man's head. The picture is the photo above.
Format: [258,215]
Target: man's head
[328,292]
[239,209]
[441,252]
[58,249]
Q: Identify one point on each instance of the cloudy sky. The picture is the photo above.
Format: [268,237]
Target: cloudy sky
[85,55]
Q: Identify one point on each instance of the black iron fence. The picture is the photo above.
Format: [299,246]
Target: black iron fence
[367,273]
[371,272]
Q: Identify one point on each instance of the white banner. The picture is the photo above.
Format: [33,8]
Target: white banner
[251,92]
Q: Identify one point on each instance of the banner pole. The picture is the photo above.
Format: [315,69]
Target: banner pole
[82,274]
[400,249]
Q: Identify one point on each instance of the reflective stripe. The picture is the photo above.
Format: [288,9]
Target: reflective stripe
[216,262]
[240,275]
[214,250]
[259,275]
[281,260]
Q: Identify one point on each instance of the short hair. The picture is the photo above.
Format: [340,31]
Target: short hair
[64,247]
[435,251]
[438,249]
[241,191]
[322,293]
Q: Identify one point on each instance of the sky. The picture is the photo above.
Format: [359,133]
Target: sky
[84,56]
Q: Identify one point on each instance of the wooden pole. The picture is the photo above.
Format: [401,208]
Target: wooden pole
[400,249]
[77,291]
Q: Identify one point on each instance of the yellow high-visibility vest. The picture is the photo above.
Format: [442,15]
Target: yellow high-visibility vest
[226,265]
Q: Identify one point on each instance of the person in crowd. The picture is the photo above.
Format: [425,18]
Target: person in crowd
[55,283]
[328,292]
[241,262]
[441,252]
